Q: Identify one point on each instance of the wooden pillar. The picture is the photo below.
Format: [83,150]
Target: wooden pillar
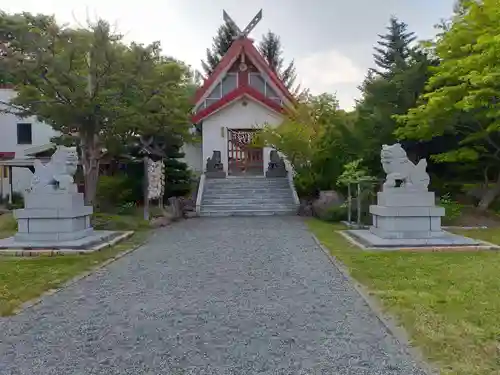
[11,188]
[146,188]
[2,176]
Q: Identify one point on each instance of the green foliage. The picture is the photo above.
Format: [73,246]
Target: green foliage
[335,214]
[272,51]
[91,87]
[453,209]
[7,224]
[461,98]
[394,49]
[306,182]
[113,192]
[106,221]
[17,201]
[270,47]
[221,42]
[354,172]
[317,138]
[391,90]
[177,175]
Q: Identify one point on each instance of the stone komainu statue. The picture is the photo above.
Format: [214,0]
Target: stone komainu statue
[396,164]
[56,174]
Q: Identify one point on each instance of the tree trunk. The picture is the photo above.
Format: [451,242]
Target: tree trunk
[489,196]
[90,160]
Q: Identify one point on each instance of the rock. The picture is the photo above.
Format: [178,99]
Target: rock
[190,214]
[327,199]
[305,208]
[188,204]
[159,222]
[175,207]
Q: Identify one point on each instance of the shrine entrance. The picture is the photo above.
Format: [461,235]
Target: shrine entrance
[244,159]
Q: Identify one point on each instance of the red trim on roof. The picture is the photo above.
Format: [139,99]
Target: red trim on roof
[6,86]
[252,51]
[233,52]
[239,46]
[233,96]
[7,155]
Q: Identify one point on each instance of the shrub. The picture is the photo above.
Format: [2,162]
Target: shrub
[453,209]
[17,201]
[102,221]
[113,191]
[305,183]
[335,214]
[7,223]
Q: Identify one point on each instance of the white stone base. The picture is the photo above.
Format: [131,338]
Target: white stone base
[93,242]
[402,214]
[368,240]
[52,217]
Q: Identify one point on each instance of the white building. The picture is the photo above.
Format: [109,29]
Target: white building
[242,95]
[19,137]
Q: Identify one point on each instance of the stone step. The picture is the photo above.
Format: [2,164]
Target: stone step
[245,190]
[249,212]
[245,179]
[249,198]
[240,207]
[266,197]
[259,184]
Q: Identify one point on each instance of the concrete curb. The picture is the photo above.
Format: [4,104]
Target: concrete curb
[389,323]
[120,236]
[35,301]
[482,246]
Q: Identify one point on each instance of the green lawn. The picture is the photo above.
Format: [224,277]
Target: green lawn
[448,302]
[25,278]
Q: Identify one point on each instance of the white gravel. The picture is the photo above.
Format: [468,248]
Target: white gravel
[207,296]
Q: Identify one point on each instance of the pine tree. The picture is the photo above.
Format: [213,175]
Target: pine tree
[395,48]
[272,51]
[270,48]
[177,174]
[225,36]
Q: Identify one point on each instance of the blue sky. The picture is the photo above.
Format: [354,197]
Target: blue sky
[331,40]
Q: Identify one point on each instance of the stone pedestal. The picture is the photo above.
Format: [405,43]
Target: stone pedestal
[53,217]
[402,214]
[406,216]
[407,219]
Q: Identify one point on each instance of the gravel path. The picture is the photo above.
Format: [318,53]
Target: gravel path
[207,296]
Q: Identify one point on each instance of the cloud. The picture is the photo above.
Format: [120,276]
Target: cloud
[330,71]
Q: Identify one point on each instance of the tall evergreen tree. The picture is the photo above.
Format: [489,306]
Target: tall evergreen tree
[390,90]
[177,174]
[225,36]
[394,48]
[270,47]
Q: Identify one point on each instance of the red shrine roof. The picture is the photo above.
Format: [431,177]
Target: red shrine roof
[242,47]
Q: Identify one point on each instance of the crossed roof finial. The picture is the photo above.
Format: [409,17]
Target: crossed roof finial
[251,25]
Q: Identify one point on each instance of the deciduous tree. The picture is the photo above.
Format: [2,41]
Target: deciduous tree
[462,97]
[90,86]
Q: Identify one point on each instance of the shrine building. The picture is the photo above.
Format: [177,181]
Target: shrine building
[241,95]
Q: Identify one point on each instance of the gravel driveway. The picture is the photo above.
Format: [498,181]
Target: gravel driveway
[207,296]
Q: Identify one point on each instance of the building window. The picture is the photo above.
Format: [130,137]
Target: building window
[270,93]
[216,92]
[257,82]
[24,135]
[229,83]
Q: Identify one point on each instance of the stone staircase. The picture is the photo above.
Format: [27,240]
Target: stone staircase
[247,196]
